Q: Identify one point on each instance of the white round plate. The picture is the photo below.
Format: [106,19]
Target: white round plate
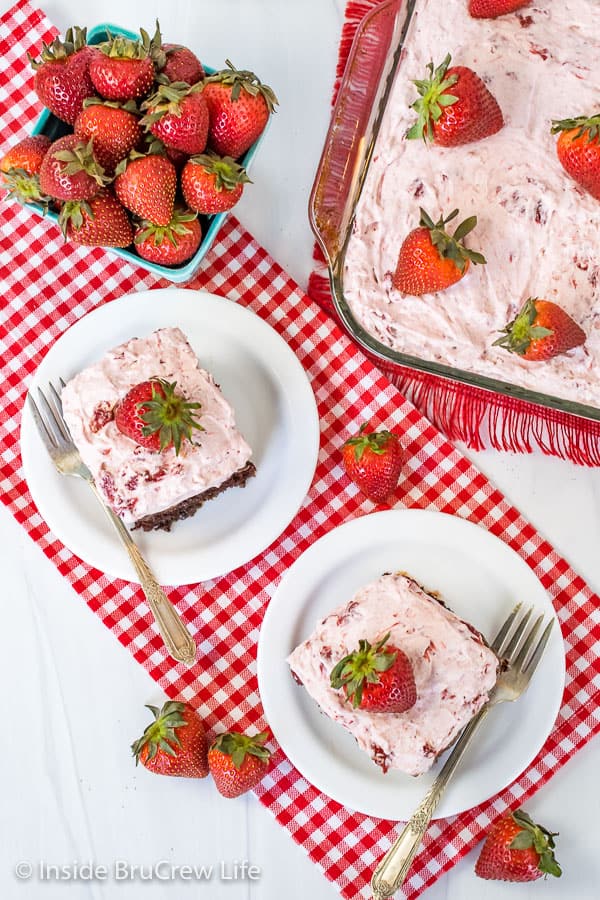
[481,579]
[275,411]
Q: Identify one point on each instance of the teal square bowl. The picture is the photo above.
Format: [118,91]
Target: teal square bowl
[49,125]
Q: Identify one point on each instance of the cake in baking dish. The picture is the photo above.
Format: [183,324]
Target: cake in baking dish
[537,228]
[147,487]
[454,670]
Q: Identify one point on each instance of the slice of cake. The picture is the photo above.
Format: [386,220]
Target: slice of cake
[202,455]
[454,671]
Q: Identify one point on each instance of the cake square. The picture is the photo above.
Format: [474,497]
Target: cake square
[150,489]
[454,671]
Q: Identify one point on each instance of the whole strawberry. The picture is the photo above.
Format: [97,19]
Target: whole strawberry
[490,9]
[377,677]
[430,259]
[239,106]
[99,222]
[238,762]
[578,149]
[146,186]
[541,330]
[454,107]
[20,167]
[62,79]
[172,244]
[123,69]
[69,170]
[373,461]
[181,64]
[155,416]
[212,184]
[27,154]
[114,129]
[175,743]
[177,114]
[516,849]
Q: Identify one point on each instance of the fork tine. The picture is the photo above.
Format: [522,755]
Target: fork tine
[47,436]
[508,650]
[55,396]
[499,639]
[535,657]
[519,661]
[51,418]
[58,413]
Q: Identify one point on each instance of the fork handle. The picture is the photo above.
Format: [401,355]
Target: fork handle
[393,868]
[177,638]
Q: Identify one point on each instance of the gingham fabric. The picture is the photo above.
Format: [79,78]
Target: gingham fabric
[47,286]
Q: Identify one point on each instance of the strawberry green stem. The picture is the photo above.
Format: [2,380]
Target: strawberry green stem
[160,734]
[517,335]
[583,124]
[360,667]
[432,99]
[238,746]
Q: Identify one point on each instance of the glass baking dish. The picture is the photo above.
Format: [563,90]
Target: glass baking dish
[363,93]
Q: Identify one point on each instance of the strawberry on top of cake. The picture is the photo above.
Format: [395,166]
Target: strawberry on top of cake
[155,430]
[401,672]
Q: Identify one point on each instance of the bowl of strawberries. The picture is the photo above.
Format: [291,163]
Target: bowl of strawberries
[141,148]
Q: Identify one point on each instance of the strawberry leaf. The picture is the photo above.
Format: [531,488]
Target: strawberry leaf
[523,841]
[432,100]
[361,666]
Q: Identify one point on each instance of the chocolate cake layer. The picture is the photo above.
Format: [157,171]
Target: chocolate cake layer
[165,518]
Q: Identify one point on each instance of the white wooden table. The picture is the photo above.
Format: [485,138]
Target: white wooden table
[74,699]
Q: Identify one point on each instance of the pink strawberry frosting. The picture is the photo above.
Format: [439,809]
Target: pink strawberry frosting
[454,671]
[536,227]
[139,482]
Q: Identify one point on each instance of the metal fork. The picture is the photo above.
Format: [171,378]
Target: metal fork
[64,454]
[520,654]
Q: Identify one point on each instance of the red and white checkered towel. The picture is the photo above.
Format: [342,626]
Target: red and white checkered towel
[49,285]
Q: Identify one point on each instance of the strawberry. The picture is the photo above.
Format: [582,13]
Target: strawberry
[212,184]
[20,167]
[578,149]
[114,129]
[490,9]
[239,106]
[175,743]
[181,64]
[516,849]
[153,144]
[541,330]
[170,244]
[26,155]
[69,170]
[178,115]
[454,107]
[99,222]
[146,186]
[373,461]
[123,69]
[238,762]
[376,677]
[156,417]
[430,259]
[62,78]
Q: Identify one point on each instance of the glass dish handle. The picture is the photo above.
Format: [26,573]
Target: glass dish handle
[349,142]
